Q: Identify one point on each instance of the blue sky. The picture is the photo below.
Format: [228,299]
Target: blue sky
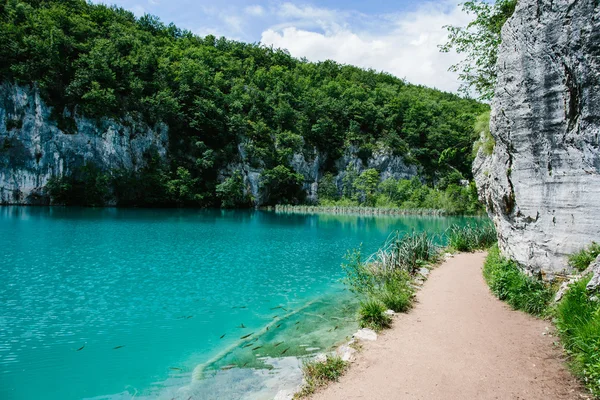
[399,37]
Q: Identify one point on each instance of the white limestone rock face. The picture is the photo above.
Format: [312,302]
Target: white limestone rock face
[33,148]
[541,184]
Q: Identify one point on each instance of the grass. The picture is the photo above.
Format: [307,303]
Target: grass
[509,283]
[396,293]
[471,237]
[317,374]
[583,258]
[577,318]
[372,315]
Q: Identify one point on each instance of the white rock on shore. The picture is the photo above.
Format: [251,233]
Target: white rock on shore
[365,334]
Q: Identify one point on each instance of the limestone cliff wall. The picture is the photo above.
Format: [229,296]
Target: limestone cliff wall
[542,182]
[33,148]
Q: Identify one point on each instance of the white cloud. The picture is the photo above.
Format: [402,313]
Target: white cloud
[405,45]
[255,10]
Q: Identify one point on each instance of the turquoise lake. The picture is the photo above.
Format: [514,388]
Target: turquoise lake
[130,303]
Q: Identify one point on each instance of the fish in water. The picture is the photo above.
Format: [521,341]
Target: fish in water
[246,363]
[278,326]
[242,326]
[248,345]
[222,336]
[277,344]
[239,307]
[335,327]
[175,368]
[189,316]
[285,351]
[81,348]
[276,316]
[247,336]
[256,348]
[118,347]
[267,328]
[297,323]
[228,367]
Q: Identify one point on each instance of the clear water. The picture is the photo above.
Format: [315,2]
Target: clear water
[166,285]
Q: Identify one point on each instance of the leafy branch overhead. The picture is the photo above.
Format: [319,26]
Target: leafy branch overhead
[478,42]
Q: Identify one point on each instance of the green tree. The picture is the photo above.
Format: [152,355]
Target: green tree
[366,185]
[479,42]
[282,185]
[233,193]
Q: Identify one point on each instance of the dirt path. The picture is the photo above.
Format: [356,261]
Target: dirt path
[459,342]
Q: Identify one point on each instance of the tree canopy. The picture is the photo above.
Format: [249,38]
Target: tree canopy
[218,96]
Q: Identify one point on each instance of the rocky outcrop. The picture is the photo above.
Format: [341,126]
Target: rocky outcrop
[541,184]
[33,148]
[311,166]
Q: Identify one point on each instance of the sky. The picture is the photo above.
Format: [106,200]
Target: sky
[400,37]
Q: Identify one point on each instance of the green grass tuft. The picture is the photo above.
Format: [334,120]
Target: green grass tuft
[471,237]
[509,283]
[371,315]
[578,322]
[396,293]
[582,259]
[317,374]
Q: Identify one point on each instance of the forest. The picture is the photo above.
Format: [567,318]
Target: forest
[217,96]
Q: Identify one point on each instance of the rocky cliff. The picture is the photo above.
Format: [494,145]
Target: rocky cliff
[33,148]
[541,184]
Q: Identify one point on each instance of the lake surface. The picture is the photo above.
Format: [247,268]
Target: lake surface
[115,303]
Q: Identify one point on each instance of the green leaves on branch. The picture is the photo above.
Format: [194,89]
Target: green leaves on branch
[478,42]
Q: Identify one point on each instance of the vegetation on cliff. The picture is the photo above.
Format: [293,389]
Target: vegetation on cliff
[225,103]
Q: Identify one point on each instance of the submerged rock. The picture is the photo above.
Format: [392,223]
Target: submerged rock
[541,184]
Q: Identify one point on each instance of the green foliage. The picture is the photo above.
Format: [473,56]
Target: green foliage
[365,186]
[317,374]
[578,322]
[486,141]
[366,190]
[359,277]
[509,283]
[233,193]
[396,293]
[479,41]
[407,253]
[217,95]
[282,185]
[471,237]
[328,190]
[372,315]
[85,186]
[583,258]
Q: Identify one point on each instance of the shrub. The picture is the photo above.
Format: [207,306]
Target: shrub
[582,259]
[578,323]
[396,293]
[509,283]
[318,374]
[371,315]
[471,237]
[232,192]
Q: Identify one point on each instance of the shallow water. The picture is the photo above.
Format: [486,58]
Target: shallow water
[115,303]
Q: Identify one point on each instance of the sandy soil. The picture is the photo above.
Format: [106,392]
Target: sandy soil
[459,342]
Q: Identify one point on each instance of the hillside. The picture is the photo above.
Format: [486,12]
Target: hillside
[99,107]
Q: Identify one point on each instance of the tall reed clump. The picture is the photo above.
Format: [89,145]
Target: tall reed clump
[509,283]
[384,279]
[577,318]
[471,237]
